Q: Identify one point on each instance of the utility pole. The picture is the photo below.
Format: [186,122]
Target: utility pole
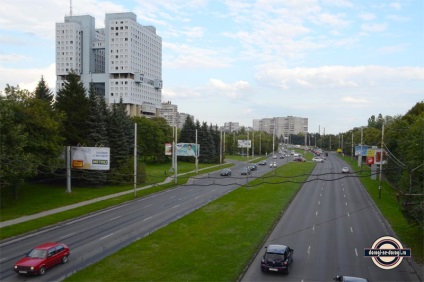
[135,159]
[381,161]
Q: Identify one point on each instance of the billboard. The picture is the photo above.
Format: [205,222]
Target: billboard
[187,149]
[244,143]
[364,150]
[93,158]
[168,149]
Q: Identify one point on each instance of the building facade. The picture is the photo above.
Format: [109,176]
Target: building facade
[282,126]
[122,60]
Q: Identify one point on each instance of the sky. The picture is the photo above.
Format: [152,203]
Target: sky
[335,62]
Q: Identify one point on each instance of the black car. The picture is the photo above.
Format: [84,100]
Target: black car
[262,162]
[226,172]
[277,258]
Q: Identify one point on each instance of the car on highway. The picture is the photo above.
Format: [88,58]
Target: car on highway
[262,162]
[226,172]
[42,257]
[350,279]
[317,159]
[272,164]
[245,171]
[299,159]
[345,169]
[252,167]
[277,258]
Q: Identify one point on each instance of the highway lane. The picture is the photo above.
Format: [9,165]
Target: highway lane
[329,224]
[97,235]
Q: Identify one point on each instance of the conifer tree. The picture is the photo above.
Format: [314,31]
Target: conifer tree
[43,92]
[72,101]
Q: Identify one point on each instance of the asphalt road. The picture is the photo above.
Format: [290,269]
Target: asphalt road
[95,236]
[329,224]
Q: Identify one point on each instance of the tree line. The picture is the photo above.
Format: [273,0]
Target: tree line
[36,126]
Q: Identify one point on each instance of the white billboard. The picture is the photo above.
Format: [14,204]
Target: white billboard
[94,158]
[244,143]
[188,149]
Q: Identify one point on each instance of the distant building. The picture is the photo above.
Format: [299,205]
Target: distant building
[169,112]
[182,117]
[281,126]
[231,126]
[122,60]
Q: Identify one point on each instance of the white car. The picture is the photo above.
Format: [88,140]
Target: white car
[272,164]
[317,159]
[345,169]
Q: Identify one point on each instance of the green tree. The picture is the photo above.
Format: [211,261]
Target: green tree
[71,100]
[43,92]
[207,146]
[30,142]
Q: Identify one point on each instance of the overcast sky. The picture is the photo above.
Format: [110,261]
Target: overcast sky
[335,62]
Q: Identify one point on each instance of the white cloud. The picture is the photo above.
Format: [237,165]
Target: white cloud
[395,5]
[393,49]
[367,16]
[234,91]
[375,27]
[338,76]
[27,78]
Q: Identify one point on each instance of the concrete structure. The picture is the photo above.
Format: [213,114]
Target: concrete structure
[122,60]
[231,126]
[281,126]
[169,112]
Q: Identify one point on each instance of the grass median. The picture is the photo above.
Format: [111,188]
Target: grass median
[214,243]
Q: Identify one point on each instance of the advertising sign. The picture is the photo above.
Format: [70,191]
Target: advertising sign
[93,158]
[364,150]
[168,149]
[188,149]
[244,143]
[377,156]
[370,156]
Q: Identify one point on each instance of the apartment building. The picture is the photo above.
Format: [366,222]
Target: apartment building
[281,126]
[122,60]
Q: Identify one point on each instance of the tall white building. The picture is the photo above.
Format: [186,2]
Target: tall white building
[123,60]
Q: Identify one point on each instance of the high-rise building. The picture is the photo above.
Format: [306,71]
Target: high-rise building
[122,60]
[282,126]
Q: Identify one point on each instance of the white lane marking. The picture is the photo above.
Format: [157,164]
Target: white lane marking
[106,236]
[319,202]
[344,196]
[346,203]
[197,197]
[309,249]
[172,197]
[147,218]
[175,206]
[114,218]
[313,229]
[148,206]
[67,235]
[348,214]
[356,252]
[316,213]
[351,229]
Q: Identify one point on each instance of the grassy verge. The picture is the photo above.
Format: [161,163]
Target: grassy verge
[214,243]
[37,198]
[410,236]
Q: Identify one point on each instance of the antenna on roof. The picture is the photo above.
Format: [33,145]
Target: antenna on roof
[70,8]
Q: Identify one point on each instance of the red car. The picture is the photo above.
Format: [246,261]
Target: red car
[42,257]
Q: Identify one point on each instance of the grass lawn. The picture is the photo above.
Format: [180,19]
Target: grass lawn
[214,243]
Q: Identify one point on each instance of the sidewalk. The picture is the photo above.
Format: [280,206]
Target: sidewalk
[73,206]
[80,204]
